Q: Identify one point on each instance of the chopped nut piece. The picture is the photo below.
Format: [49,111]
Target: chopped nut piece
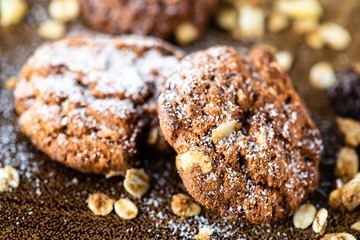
[338,236]
[304,216]
[189,159]
[14,178]
[186,33]
[183,206]
[227,19]
[320,221]
[4,176]
[251,22]
[347,163]
[356,226]
[12,12]
[136,182]
[108,133]
[335,201]
[339,183]
[285,59]
[322,75]
[335,36]
[350,194]
[298,9]
[277,22]
[306,25]
[51,30]
[314,40]
[10,83]
[126,209]
[351,130]
[113,174]
[152,137]
[64,10]
[100,204]
[223,130]
[204,233]
[9,177]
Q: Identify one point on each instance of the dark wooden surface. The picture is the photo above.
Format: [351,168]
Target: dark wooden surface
[51,199]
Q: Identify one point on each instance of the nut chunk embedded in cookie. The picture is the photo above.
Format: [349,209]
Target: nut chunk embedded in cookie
[245,141]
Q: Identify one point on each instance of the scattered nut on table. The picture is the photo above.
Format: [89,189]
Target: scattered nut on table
[186,33]
[322,75]
[12,12]
[356,226]
[10,83]
[277,22]
[335,201]
[9,177]
[285,59]
[335,36]
[183,206]
[251,22]
[347,162]
[51,29]
[351,129]
[350,194]
[126,209]
[204,233]
[304,216]
[338,236]
[320,221]
[136,182]
[64,10]
[305,25]
[100,204]
[300,9]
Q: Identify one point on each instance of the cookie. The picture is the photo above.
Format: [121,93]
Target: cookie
[86,101]
[246,144]
[147,17]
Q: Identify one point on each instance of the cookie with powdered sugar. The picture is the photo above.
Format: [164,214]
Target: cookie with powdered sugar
[245,141]
[85,100]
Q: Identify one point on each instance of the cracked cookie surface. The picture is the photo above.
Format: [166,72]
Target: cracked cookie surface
[85,100]
[246,144]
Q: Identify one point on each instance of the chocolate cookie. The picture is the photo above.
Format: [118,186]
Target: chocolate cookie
[147,17]
[246,144]
[85,100]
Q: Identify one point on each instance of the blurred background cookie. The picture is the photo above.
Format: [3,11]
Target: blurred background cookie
[186,19]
